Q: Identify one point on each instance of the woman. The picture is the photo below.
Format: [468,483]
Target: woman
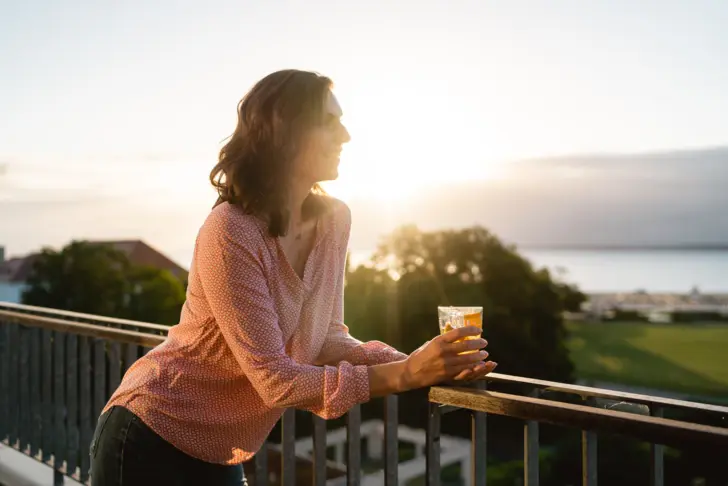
[261,329]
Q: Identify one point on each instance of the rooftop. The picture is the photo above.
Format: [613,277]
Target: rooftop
[138,252]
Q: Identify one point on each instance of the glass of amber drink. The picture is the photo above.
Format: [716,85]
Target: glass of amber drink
[453,317]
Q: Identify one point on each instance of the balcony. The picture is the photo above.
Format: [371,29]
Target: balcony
[58,368]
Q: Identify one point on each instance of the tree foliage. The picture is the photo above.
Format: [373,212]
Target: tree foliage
[98,279]
[155,295]
[414,272]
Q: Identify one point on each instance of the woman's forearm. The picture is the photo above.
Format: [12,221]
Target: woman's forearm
[386,379]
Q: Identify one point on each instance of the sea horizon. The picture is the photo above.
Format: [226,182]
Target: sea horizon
[673,269]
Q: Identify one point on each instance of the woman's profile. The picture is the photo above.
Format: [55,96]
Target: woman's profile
[262,326]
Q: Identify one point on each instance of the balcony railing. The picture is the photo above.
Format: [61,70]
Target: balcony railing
[58,368]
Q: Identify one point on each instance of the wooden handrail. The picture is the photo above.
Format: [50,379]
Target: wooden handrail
[652,429]
[80,315]
[587,391]
[82,329]
[583,391]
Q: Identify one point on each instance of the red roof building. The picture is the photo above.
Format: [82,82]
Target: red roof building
[17,270]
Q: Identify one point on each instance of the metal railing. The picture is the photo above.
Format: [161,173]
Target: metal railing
[57,371]
[58,368]
[653,428]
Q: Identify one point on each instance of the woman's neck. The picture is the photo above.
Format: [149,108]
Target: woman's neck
[296,198]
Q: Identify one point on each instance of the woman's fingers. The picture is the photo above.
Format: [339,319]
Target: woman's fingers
[460,333]
[465,375]
[467,345]
[483,369]
[466,359]
[473,373]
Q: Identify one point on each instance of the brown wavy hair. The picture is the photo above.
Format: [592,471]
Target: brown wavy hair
[253,170]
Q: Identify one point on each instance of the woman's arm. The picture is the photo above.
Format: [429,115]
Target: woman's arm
[340,345]
[228,265]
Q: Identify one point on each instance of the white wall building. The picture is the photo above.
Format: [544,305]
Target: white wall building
[11,289]
[453,450]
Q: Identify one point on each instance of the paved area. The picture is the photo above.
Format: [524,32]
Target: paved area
[17,469]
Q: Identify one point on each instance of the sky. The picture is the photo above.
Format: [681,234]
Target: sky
[112,114]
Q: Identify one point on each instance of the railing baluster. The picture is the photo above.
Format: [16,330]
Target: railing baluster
[589,458]
[432,453]
[24,377]
[319,451]
[4,380]
[14,389]
[391,441]
[59,400]
[478,466]
[589,453]
[47,394]
[100,396]
[353,452]
[72,403]
[131,354]
[36,415]
[261,465]
[58,478]
[288,457]
[114,367]
[85,399]
[657,459]
[531,450]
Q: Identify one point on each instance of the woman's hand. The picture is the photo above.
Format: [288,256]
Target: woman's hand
[477,372]
[440,360]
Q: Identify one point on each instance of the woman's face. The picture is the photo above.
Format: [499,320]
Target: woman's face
[318,159]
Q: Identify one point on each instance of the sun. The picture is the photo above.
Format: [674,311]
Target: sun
[376,180]
[393,156]
[397,179]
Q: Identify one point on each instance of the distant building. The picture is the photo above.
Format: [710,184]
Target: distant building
[139,253]
[659,316]
[14,272]
[663,307]
[11,281]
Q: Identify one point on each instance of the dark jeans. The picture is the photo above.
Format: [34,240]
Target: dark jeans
[125,452]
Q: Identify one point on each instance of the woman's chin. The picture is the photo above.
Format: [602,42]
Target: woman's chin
[332,174]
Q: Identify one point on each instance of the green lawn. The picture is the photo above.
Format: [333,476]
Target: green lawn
[689,358]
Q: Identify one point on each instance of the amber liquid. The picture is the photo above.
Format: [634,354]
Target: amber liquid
[475,319]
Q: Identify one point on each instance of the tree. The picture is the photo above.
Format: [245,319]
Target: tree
[97,279]
[522,306]
[81,277]
[155,295]
[367,304]
[413,272]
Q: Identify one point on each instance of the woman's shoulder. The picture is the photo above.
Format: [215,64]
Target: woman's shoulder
[339,211]
[338,218]
[227,221]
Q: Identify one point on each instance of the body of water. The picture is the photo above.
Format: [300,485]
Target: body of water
[654,271]
[674,271]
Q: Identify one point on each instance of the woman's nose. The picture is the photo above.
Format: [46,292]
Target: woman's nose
[344,134]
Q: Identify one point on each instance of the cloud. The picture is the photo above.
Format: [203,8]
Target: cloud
[667,198]
[161,201]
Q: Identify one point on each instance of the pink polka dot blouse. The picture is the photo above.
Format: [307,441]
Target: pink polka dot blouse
[253,340]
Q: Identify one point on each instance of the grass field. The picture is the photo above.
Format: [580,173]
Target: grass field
[686,358]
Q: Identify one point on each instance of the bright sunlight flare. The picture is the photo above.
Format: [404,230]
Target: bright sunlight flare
[390,158]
